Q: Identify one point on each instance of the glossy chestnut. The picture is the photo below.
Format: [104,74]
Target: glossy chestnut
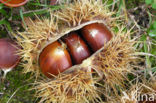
[96,35]
[54,59]
[77,47]
[8,54]
[14,3]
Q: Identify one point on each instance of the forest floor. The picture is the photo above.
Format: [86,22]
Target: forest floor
[142,13]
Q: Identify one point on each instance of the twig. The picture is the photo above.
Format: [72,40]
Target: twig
[147,54]
[13,95]
[132,18]
[31,11]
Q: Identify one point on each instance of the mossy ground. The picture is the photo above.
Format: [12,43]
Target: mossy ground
[15,88]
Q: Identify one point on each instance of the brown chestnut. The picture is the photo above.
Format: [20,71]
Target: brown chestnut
[8,55]
[96,34]
[54,59]
[14,3]
[77,47]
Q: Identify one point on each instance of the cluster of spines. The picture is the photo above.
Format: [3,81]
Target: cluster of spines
[114,62]
[114,59]
[68,88]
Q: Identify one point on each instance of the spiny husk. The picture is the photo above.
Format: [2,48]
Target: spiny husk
[33,39]
[114,62]
[43,31]
[84,10]
[76,87]
[137,91]
[142,88]
[112,68]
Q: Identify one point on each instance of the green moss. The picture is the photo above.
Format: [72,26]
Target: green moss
[17,85]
